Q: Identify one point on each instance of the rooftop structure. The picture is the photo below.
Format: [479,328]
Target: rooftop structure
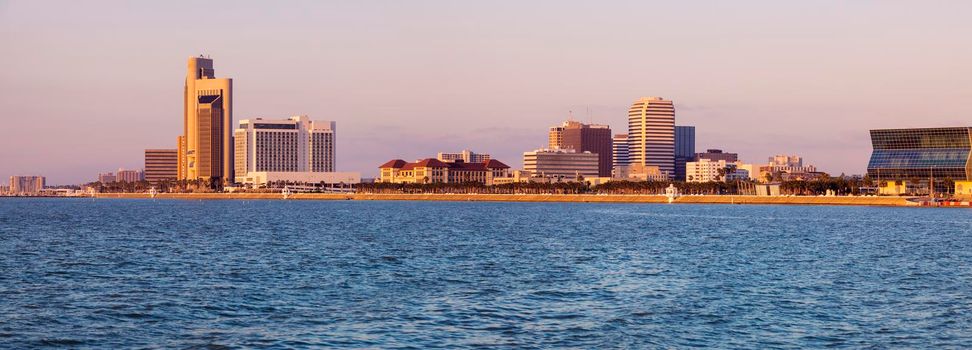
[465,156]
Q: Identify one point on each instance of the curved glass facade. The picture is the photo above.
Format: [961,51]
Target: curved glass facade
[921,153]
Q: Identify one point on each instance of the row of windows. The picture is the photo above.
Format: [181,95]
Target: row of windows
[929,158]
[921,138]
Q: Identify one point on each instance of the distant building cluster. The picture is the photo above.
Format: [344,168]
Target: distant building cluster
[264,152]
[122,175]
[653,149]
[258,153]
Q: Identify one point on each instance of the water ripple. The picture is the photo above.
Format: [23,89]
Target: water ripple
[420,275]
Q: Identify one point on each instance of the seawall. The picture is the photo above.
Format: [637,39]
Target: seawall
[579,198]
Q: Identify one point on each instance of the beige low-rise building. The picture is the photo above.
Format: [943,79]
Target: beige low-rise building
[432,170]
[327,179]
[639,172]
[707,170]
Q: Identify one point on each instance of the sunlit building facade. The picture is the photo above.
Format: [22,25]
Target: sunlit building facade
[161,165]
[593,138]
[107,178]
[561,163]
[208,117]
[707,170]
[651,133]
[923,154]
[432,170]
[465,156]
[26,184]
[293,145]
[124,175]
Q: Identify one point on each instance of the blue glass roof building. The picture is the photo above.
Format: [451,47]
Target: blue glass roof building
[903,154]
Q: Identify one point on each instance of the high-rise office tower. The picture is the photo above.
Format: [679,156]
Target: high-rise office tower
[582,137]
[651,133]
[160,165]
[208,117]
[684,149]
[621,156]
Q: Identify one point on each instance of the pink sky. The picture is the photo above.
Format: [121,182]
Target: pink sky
[85,87]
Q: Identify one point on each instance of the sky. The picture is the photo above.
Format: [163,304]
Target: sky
[86,86]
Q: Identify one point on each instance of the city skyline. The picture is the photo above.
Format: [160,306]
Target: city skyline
[801,90]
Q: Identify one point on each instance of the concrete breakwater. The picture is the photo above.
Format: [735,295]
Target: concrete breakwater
[579,198]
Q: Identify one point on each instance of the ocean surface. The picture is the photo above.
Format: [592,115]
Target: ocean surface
[115,273]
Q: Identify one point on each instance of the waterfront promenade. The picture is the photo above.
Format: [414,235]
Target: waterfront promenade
[578,198]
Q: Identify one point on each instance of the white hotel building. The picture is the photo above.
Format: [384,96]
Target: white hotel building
[296,149]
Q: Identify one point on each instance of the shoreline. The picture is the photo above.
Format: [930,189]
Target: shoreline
[550,198]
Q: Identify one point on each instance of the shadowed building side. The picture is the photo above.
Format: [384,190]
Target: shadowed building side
[684,149]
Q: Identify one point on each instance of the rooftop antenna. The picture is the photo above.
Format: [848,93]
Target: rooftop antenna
[570,115]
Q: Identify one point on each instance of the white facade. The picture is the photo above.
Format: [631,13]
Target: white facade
[707,170]
[651,133]
[466,156]
[564,163]
[292,145]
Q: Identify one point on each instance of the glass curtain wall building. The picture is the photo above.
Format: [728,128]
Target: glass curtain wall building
[684,149]
[920,155]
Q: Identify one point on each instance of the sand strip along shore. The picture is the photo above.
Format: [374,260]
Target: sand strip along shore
[579,198]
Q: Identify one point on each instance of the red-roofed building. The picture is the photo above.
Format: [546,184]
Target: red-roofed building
[432,170]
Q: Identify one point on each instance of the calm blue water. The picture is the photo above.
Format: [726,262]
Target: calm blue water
[82,273]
